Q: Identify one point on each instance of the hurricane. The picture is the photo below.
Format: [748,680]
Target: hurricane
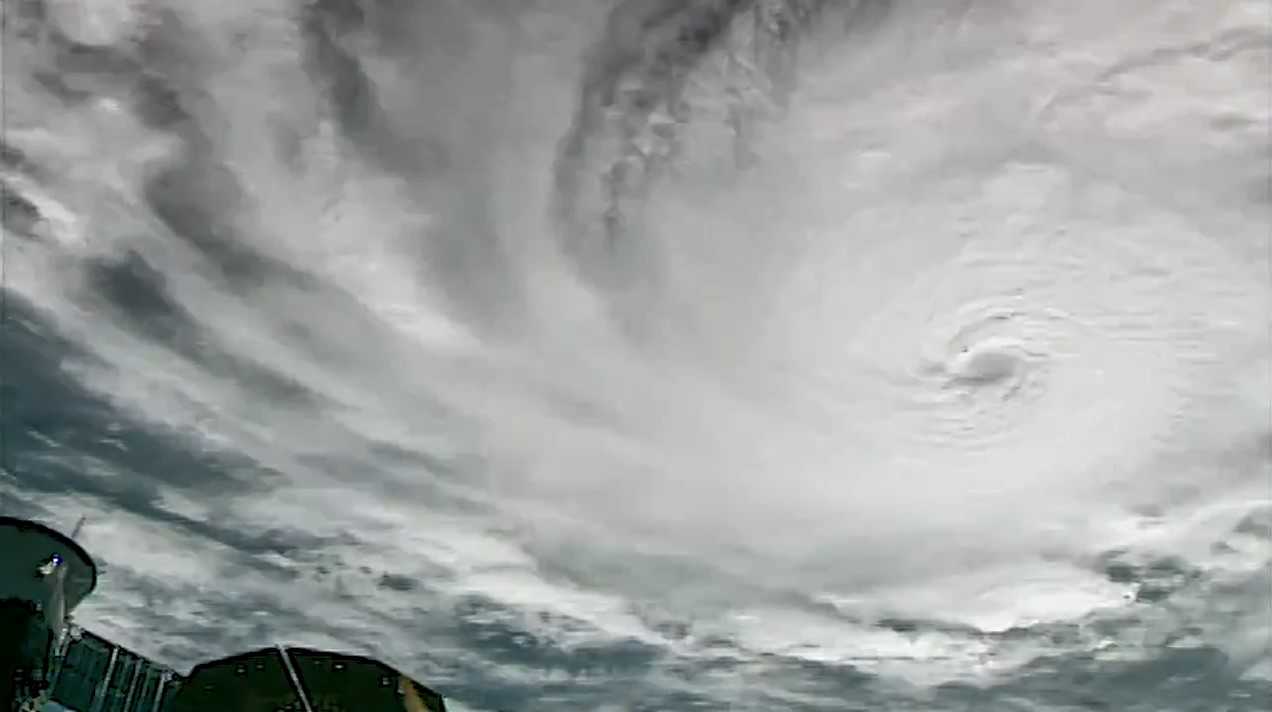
[655,354]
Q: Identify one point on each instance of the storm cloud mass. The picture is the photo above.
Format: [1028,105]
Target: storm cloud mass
[653,354]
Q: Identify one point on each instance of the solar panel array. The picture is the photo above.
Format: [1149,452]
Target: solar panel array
[97,675]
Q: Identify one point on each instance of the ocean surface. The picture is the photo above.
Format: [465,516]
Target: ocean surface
[657,356]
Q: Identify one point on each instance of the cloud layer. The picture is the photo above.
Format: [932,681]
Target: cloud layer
[611,358]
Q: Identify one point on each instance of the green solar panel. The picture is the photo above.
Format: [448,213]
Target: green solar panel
[44,575]
[88,680]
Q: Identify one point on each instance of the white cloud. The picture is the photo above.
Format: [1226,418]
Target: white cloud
[962,321]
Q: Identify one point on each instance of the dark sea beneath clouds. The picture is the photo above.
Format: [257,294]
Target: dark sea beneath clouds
[650,355]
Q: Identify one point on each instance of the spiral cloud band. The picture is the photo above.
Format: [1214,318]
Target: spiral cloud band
[776,354]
